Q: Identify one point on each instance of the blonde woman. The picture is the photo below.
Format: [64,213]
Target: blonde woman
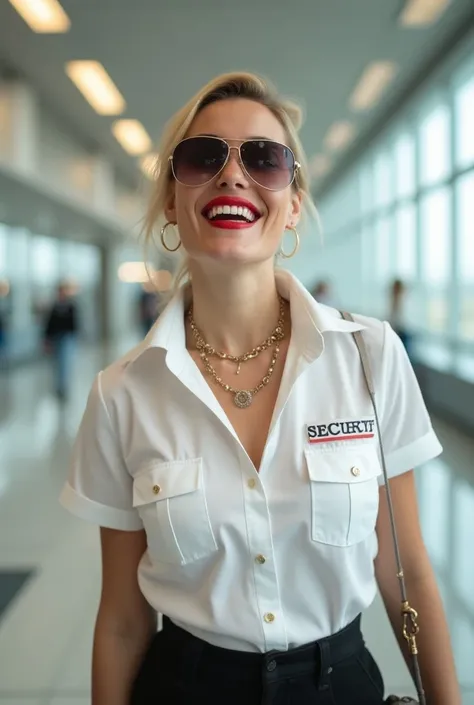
[231,458]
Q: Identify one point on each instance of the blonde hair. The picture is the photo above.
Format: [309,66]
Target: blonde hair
[225,86]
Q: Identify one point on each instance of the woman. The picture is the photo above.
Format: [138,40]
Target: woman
[61,330]
[231,460]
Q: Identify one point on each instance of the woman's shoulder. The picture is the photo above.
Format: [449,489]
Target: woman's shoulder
[374,330]
[115,377]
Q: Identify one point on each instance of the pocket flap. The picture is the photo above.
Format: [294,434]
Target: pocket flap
[158,481]
[343,465]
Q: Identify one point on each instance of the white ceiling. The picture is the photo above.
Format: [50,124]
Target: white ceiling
[159,53]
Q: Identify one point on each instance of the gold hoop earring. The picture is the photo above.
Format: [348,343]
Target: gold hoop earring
[295,248]
[162,235]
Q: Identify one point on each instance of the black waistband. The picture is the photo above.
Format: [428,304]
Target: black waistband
[330,650]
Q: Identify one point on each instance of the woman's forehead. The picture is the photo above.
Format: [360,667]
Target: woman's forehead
[237,118]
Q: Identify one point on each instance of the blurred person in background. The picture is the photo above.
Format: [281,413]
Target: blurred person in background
[60,336]
[397,313]
[221,457]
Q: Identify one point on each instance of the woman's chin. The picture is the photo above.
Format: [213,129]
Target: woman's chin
[231,254]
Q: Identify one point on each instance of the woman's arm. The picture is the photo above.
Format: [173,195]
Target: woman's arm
[125,622]
[435,654]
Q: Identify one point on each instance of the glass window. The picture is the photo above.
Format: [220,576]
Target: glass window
[366,188]
[382,177]
[435,229]
[464,116]
[436,256]
[45,260]
[465,205]
[383,250]
[404,165]
[465,202]
[434,146]
[405,234]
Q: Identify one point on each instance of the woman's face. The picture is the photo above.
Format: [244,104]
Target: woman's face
[205,237]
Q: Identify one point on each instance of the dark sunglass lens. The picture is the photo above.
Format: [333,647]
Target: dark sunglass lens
[270,164]
[198,159]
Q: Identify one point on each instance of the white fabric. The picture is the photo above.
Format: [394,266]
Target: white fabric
[155,450]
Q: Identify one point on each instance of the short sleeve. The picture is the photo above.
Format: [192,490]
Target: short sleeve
[99,486]
[407,433]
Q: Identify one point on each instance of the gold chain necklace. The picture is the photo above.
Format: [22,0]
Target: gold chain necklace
[277,335]
[242,397]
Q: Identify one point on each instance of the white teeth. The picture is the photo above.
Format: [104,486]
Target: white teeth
[232,210]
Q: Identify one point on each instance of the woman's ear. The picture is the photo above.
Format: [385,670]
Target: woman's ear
[294,211]
[170,205]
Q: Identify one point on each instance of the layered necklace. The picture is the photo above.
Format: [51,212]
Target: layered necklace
[242,397]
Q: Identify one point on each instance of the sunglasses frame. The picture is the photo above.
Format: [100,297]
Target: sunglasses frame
[296,166]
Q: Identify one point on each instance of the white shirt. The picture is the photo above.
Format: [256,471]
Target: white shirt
[245,560]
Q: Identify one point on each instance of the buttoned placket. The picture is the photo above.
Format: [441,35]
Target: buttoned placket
[262,555]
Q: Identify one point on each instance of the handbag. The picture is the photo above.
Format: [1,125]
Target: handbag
[410,616]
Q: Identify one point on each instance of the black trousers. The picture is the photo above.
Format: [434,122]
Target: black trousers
[180,669]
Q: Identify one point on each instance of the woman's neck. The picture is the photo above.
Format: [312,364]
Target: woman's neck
[236,311]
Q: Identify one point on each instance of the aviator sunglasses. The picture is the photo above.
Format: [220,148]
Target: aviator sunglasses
[197,160]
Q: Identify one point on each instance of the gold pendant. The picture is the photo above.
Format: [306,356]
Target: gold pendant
[243,399]
[238,369]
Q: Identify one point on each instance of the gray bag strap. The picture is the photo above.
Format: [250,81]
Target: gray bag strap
[410,616]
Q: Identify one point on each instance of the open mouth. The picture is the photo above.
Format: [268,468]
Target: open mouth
[230,210]
[231,213]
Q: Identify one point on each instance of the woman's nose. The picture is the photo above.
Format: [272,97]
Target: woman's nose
[233,174]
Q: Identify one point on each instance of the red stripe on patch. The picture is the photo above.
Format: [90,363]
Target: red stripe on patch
[330,439]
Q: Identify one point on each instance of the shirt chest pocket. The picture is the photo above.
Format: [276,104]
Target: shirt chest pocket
[171,501]
[344,494]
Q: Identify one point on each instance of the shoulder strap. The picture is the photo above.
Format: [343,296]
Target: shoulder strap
[410,616]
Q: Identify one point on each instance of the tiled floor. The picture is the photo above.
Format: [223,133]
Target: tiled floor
[46,633]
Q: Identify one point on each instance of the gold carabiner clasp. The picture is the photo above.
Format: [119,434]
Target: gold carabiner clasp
[411,628]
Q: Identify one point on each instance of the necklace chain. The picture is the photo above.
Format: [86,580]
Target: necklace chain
[242,397]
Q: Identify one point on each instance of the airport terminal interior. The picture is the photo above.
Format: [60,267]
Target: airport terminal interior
[85,91]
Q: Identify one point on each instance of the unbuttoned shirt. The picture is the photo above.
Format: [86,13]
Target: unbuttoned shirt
[247,560]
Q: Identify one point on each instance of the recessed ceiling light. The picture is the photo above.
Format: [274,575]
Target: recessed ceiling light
[132,136]
[43,16]
[372,84]
[339,135]
[422,13]
[319,166]
[148,165]
[96,86]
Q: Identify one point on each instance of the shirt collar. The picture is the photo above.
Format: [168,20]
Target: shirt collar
[310,321]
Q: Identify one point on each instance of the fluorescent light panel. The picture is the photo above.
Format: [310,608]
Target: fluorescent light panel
[96,86]
[373,82]
[132,136]
[43,16]
[134,272]
[339,135]
[422,13]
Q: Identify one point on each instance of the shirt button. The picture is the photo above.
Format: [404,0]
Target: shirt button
[252,484]
[261,559]
[271,666]
[156,489]
[355,472]
[269,618]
